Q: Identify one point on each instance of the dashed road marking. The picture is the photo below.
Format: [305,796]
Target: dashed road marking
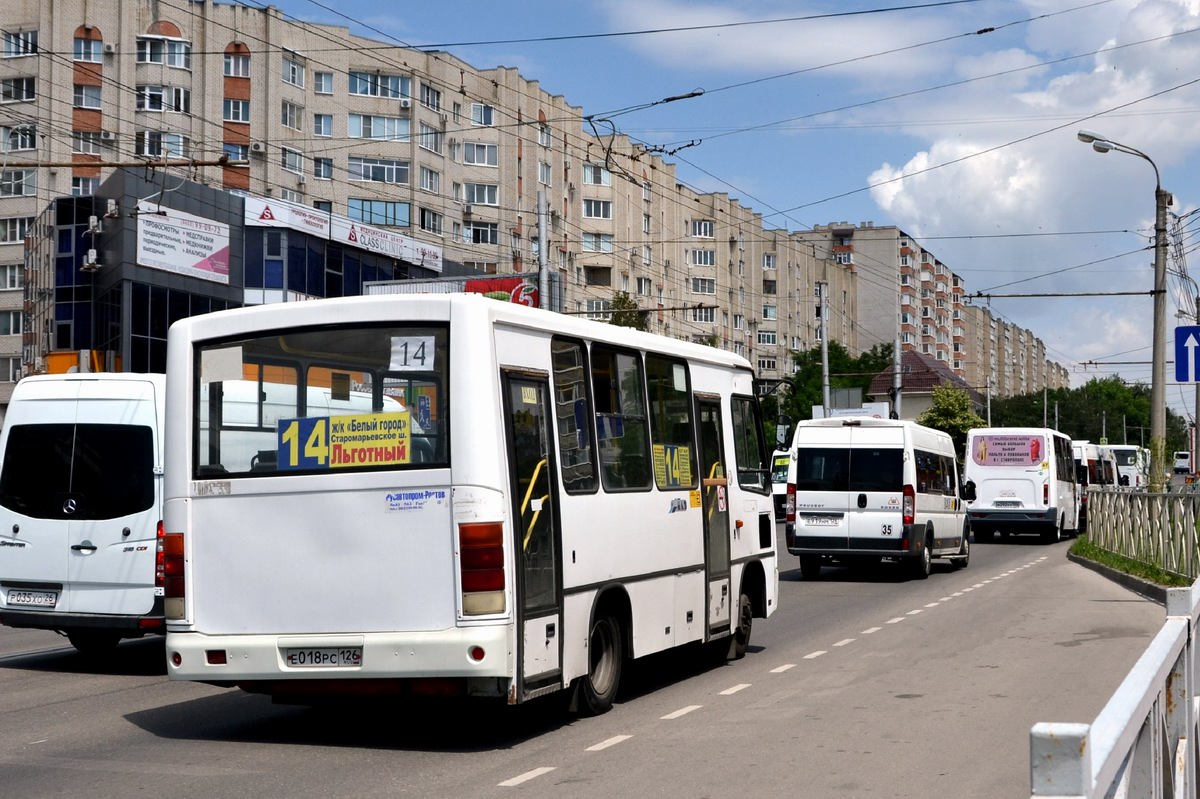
[735,689]
[914,612]
[526,777]
[783,668]
[870,630]
[896,620]
[816,654]
[613,741]
[844,641]
[683,711]
[935,604]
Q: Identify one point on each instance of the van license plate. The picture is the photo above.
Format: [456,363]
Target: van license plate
[35,599]
[1007,503]
[822,521]
[347,656]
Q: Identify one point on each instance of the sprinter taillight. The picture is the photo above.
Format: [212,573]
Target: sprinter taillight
[910,504]
[481,567]
[790,504]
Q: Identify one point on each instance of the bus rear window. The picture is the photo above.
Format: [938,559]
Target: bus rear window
[323,399]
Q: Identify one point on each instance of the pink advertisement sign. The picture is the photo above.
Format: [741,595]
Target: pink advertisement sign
[1008,450]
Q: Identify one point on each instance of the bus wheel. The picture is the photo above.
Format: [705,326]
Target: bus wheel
[810,566]
[599,688]
[923,563]
[93,642]
[1053,534]
[745,624]
[964,552]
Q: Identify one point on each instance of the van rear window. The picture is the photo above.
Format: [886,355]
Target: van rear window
[845,469]
[78,472]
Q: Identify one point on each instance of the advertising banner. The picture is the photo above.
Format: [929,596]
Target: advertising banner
[1008,450]
[178,242]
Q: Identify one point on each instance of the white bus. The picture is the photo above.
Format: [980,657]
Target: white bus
[1025,482]
[1133,465]
[530,500]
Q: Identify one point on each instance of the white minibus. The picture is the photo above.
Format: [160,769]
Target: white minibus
[1095,466]
[484,499]
[1024,482]
[81,465]
[867,488]
[1133,465]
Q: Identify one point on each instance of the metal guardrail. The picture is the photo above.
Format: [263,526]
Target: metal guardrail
[1144,743]
[1159,529]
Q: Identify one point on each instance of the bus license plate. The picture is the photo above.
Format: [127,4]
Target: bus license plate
[821,521]
[331,657]
[36,599]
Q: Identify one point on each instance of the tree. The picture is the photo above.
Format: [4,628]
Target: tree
[952,413]
[845,371]
[626,313]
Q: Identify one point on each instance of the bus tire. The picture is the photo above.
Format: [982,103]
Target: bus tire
[1054,534]
[598,689]
[93,643]
[964,552]
[743,627]
[810,566]
[922,564]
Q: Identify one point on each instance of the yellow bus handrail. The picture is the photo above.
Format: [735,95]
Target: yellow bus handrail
[525,502]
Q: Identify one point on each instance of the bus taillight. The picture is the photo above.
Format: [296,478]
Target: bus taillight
[1045,493]
[168,571]
[481,567]
[910,504]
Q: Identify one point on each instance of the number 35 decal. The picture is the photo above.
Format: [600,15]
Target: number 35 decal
[886,529]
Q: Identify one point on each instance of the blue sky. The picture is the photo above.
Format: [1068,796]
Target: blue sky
[954,121]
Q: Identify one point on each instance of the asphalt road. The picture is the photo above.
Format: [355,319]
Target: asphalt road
[863,684]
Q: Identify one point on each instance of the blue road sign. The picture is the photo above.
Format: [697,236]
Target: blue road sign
[1187,354]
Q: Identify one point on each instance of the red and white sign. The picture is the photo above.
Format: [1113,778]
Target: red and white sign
[178,242]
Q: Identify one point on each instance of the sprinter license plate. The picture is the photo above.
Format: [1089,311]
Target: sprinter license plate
[33,599]
[323,657]
[821,521]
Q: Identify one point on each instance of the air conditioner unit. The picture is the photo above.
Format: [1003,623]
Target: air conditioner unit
[405,102]
[107,135]
[258,147]
[467,209]
[571,187]
[301,179]
[110,48]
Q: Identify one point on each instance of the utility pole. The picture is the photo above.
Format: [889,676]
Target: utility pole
[543,245]
[821,286]
[897,377]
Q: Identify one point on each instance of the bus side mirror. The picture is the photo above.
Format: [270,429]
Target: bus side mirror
[968,491]
[783,429]
[1081,474]
[1125,480]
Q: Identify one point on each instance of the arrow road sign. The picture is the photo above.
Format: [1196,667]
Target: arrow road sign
[1187,354]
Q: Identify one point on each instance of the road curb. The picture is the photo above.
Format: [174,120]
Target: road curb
[1152,591]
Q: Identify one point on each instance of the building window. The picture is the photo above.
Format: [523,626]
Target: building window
[85,142]
[544,135]
[86,96]
[643,286]
[703,228]
[431,98]
[369,84]
[597,242]
[322,124]
[431,221]
[323,168]
[291,115]
[768,261]
[479,154]
[597,209]
[596,175]
[236,152]
[739,322]
[323,205]
[769,312]
[20,43]
[482,114]
[429,138]
[599,310]
[363,126]
[481,233]
[431,180]
[149,98]
[160,144]
[10,323]
[88,50]
[323,82]
[379,212]
[18,137]
[14,228]
[237,65]
[645,223]
[647,254]
[12,276]
[292,160]
[769,286]
[767,365]
[704,285]
[84,187]
[702,257]
[380,170]
[172,52]
[704,315]
[481,193]
[293,72]
[544,173]
[236,110]
[767,338]
[17,90]
[647,191]
[18,183]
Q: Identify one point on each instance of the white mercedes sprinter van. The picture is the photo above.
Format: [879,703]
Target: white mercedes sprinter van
[81,507]
[868,488]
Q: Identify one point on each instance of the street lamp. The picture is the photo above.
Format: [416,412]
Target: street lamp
[1158,406]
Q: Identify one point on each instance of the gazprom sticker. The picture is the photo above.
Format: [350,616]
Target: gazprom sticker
[415,499]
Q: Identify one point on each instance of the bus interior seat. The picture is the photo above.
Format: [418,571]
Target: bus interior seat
[267,460]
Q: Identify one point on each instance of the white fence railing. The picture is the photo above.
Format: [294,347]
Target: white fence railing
[1159,529]
[1144,742]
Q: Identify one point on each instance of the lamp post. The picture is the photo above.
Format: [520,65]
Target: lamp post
[1158,406]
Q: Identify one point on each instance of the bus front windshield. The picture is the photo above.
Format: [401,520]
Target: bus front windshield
[322,399]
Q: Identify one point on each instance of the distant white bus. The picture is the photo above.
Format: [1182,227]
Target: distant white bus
[1024,482]
[450,494]
[1133,465]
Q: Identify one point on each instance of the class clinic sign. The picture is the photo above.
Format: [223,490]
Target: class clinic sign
[279,213]
[1008,450]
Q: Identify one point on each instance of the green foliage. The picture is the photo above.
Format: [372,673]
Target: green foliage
[952,413]
[1147,571]
[627,313]
[805,386]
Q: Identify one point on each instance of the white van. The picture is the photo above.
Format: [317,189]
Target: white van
[781,459]
[81,507]
[1095,467]
[1183,462]
[1024,482]
[1133,465]
[867,488]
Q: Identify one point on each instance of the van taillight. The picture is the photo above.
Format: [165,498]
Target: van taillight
[790,504]
[481,567]
[1045,493]
[910,504]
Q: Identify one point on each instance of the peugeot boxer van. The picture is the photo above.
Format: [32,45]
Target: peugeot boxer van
[866,489]
[81,507]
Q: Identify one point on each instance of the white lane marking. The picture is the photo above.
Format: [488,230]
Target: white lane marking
[870,630]
[914,612]
[735,689]
[526,777]
[783,668]
[613,741]
[957,593]
[935,604]
[844,641]
[967,590]
[978,585]
[943,599]
[683,711]
[816,654]
[895,620]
